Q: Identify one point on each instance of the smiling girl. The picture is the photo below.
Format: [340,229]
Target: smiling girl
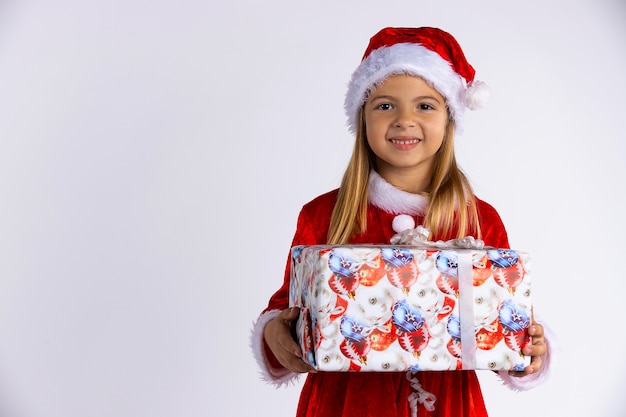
[404,102]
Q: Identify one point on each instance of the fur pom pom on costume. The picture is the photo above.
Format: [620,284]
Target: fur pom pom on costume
[402,222]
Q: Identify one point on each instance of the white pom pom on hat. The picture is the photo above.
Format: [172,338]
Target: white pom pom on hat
[477,95]
[426,52]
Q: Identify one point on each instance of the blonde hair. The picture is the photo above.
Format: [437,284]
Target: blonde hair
[451,199]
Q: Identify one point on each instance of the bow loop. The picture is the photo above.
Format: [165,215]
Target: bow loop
[418,237]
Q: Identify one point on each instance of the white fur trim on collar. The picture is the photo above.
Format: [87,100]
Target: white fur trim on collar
[393,200]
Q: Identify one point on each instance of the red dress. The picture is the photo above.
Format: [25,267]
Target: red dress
[373,394]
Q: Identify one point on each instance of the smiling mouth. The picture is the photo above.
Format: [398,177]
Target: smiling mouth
[405,141]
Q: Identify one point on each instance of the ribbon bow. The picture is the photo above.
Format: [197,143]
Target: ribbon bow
[419,237]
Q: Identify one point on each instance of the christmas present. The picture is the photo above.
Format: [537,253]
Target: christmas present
[401,308]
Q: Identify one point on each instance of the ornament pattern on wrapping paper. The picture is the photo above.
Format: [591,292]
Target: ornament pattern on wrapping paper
[395,309]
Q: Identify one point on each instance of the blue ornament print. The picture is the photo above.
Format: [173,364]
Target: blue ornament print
[454,327]
[340,265]
[447,263]
[405,318]
[512,318]
[396,257]
[503,258]
[353,330]
[296,251]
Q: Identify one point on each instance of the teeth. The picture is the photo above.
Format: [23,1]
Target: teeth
[405,141]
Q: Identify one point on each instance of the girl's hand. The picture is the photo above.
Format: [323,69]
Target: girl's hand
[278,336]
[536,350]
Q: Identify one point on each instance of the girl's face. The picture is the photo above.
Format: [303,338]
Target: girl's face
[405,123]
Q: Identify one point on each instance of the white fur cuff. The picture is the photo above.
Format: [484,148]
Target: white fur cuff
[533,380]
[269,374]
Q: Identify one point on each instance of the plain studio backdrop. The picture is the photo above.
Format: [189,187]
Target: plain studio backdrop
[154,156]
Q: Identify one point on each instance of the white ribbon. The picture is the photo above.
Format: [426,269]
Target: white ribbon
[419,395]
[466,309]
[418,237]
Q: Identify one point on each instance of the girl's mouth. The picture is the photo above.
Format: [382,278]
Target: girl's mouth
[405,141]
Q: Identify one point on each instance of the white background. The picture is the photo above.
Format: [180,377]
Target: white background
[154,156]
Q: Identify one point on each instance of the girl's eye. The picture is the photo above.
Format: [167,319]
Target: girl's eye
[425,106]
[384,106]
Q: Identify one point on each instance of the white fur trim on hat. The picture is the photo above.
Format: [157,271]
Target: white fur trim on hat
[405,58]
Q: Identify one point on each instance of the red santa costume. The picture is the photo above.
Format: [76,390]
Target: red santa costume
[372,394]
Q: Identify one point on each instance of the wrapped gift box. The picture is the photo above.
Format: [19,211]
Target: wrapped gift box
[400,308]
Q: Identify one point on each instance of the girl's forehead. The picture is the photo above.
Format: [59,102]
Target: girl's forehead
[402,83]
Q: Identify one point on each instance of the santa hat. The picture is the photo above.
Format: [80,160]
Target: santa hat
[429,53]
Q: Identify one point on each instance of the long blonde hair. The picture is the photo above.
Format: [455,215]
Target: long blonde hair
[451,200]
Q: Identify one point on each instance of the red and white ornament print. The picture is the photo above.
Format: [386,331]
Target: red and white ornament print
[384,308]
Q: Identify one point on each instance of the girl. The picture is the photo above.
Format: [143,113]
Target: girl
[404,103]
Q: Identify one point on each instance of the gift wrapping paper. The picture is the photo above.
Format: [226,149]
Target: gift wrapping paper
[397,308]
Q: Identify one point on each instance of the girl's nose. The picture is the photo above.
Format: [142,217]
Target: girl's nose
[405,119]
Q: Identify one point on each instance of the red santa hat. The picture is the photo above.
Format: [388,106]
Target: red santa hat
[429,53]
